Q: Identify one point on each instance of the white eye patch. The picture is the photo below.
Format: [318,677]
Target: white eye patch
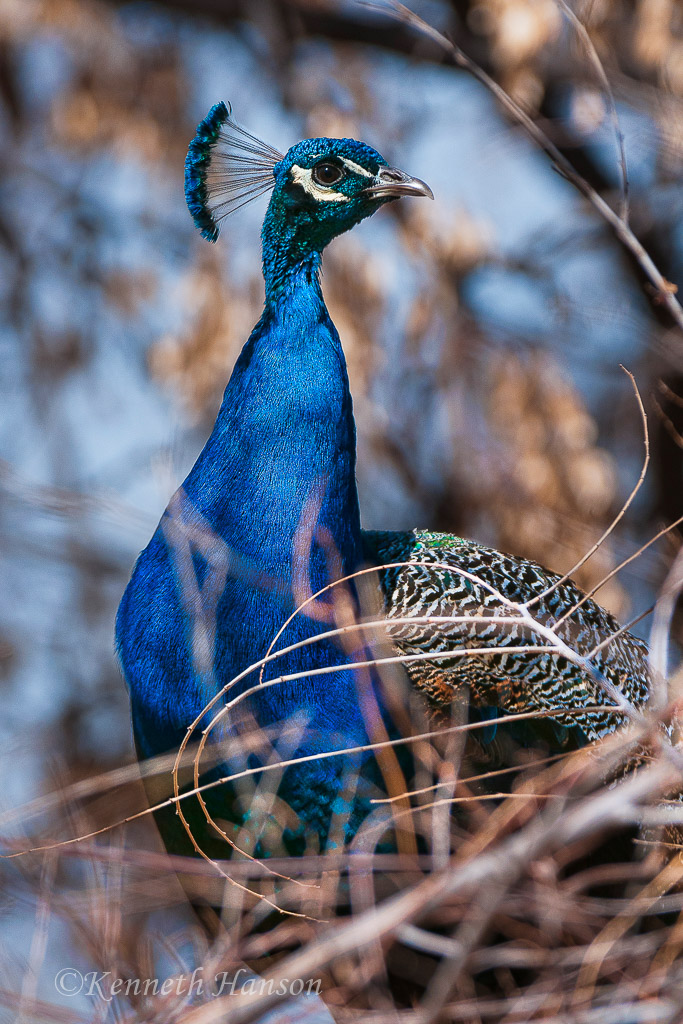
[356,168]
[304,176]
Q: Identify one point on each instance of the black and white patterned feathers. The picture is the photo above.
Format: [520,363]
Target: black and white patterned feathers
[447,576]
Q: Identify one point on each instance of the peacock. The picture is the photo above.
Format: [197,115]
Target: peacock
[268,518]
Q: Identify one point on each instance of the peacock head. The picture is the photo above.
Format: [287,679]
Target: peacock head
[321,187]
[325,186]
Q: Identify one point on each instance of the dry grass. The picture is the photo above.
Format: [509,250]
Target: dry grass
[529,898]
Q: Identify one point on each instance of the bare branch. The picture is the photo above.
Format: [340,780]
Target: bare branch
[664,291]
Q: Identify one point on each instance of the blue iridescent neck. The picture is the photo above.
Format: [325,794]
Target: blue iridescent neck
[291,257]
[279,466]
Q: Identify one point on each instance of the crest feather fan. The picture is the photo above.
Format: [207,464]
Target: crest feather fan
[226,167]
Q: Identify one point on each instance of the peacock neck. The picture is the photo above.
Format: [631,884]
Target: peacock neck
[276,479]
[292,253]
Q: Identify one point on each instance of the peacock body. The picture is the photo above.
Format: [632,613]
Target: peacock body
[269,515]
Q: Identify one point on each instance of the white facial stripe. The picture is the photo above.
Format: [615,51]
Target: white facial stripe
[304,176]
[356,168]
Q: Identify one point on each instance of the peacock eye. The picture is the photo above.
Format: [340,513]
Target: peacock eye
[327,174]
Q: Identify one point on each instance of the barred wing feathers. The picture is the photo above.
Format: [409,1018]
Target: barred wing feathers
[513,682]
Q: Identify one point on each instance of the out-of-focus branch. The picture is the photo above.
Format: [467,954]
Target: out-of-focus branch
[664,290]
[309,18]
[582,32]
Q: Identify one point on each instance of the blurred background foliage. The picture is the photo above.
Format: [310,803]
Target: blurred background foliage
[483,332]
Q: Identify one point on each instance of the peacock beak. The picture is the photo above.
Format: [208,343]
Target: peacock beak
[391,183]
